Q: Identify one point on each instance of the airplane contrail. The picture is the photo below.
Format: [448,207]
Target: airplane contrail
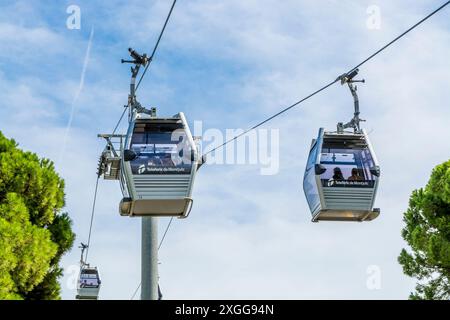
[77,95]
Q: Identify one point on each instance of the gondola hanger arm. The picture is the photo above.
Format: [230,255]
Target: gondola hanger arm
[138,61]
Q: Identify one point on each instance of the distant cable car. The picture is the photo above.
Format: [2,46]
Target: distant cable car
[89,282]
[156,161]
[342,172]
[88,285]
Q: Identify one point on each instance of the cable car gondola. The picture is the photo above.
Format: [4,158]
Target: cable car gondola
[157,160]
[158,167]
[342,172]
[88,284]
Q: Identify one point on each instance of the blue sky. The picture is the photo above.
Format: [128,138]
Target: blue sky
[230,64]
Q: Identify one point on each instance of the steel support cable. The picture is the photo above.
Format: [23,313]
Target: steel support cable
[165,232]
[331,83]
[96,189]
[156,45]
[135,291]
[401,35]
[120,120]
[92,217]
[271,117]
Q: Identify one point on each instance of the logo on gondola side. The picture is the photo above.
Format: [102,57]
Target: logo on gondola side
[347,183]
[142,168]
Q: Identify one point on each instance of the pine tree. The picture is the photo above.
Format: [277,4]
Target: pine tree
[34,233]
[427,231]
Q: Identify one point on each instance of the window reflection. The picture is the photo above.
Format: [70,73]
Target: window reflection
[160,151]
[89,278]
[347,167]
[309,181]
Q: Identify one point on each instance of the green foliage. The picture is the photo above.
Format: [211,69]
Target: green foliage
[34,235]
[427,231]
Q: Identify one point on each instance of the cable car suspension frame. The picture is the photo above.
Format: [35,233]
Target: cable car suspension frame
[347,78]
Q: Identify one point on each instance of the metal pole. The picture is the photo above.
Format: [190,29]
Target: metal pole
[149,260]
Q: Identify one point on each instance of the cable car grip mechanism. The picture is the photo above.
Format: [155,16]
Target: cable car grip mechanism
[138,61]
[348,78]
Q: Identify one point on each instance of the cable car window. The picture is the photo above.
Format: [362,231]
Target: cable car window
[139,143]
[309,181]
[160,150]
[346,167]
[89,278]
[84,283]
[312,156]
[368,163]
[139,138]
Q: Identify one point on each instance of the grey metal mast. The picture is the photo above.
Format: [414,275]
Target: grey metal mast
[149,259]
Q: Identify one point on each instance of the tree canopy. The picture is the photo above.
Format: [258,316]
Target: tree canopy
[427,232]
[34,233]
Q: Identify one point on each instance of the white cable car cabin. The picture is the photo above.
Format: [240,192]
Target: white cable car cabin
[158,166]
[342,171]
[88,285]
[341,177]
